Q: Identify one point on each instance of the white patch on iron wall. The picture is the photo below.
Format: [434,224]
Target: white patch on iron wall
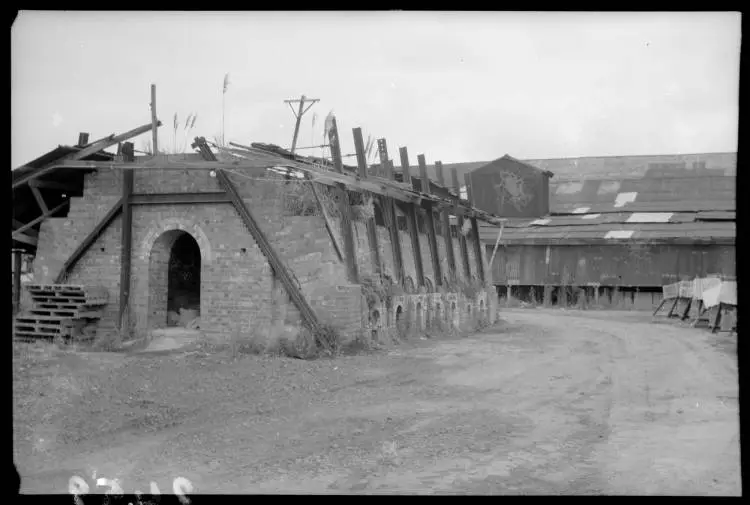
[581,210]
[590,216]
[619,234]
[608,187]
[650,217]
[623,198]
[568,188]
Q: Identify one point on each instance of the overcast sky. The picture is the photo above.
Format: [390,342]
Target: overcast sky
[455,86]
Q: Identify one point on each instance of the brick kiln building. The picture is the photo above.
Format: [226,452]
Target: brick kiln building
[246,260]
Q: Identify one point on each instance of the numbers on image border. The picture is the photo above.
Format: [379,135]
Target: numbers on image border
[78,487]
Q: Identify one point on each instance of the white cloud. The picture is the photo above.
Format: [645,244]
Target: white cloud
[57,119]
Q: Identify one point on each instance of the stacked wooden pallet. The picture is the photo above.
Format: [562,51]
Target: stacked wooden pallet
[61,310]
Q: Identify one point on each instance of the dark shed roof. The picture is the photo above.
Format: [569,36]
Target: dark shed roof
[25,207]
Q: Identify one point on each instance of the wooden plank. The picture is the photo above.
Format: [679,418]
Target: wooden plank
[390,212]
[474,230]
[26,239]
[411,221]
[447,237]
[430,224]
[345,208]
[70,188]
[477,248]
[83,153]
[309,317]
[39,199]
[126,243]
[259,167]
[279,269]
[154,122]
[89,240]
[17,224]
[17,263]
[372,231]
[179,198]
[28,225]
[329,227]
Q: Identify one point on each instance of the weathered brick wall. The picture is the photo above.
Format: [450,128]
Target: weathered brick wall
[238,289]
[236,279]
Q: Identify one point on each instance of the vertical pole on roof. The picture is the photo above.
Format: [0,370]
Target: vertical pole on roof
[345,208]
[430,222]
[460,226]
[17,258]
[154,121]
[296,125]
[126,239]
[411,220]
[372,231]
[389,213]
[447,233]
[298,114]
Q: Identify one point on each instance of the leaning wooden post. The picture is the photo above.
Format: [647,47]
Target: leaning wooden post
[345,208]
[17,258]
[447,236]
[430,222]
[390,214]
[460,223]
[475,230]
[411,220]
[372,231]
[126,241]
[154,121]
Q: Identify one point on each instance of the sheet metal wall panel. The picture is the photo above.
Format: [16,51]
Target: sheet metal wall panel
[611,265]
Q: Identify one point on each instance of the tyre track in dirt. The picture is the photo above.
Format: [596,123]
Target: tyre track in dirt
[550,403]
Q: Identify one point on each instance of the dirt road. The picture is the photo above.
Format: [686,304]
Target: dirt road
[550,402]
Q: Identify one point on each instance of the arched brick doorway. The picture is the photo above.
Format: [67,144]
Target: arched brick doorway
[175,269]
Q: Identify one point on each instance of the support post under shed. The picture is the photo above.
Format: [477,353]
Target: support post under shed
[447,237]
[126,243]
[411,221]
[430,222]
[345,209]
[460,224]
[17,258]
[372,231]
[475,230]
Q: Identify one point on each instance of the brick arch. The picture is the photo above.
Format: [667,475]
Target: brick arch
[158,229]
[158,275]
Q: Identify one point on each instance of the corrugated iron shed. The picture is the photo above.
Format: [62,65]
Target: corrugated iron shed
[622,263]
[656,194]
[622,167]
[633,166]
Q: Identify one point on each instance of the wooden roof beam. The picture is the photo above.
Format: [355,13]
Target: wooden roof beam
[70,188]
[88,151]
[28,225]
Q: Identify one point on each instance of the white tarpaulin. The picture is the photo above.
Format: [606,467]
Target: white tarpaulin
[700,284]
[725,292]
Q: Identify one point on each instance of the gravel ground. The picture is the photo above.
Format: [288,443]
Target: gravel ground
[546,402]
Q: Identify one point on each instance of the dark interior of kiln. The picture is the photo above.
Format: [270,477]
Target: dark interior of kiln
[183,291]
